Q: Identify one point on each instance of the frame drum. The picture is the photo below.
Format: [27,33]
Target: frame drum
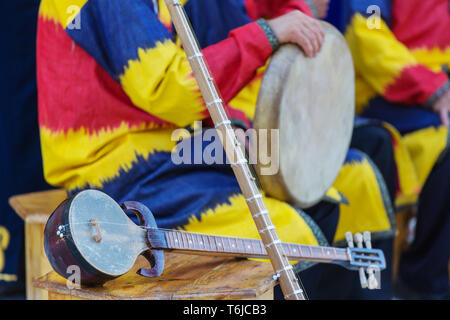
[312,103]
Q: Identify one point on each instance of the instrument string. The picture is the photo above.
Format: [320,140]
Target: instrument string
[156,237]
[252,255]
[341,254]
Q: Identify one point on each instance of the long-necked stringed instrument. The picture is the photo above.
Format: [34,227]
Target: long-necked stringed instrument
[92,231]
[247,182]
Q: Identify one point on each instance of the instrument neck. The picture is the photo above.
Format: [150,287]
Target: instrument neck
[246,180]
[239,247]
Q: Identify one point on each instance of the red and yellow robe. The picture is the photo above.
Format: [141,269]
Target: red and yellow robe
[114,83]
[402,60]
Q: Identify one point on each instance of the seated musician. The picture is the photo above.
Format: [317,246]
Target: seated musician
[114,83]
[402,59]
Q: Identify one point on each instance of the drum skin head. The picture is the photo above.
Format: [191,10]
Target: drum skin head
[312,103]
[121,240]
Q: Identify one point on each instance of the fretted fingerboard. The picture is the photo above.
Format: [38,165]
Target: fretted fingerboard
[240,247]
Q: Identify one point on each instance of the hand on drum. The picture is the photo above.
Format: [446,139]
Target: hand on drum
[300,29]
[442,106]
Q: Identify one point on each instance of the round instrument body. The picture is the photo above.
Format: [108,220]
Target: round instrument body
[311,101]
[71,238]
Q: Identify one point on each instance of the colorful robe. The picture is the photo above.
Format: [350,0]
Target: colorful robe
[114,83]
[402,60]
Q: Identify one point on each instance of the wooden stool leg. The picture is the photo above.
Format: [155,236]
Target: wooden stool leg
[36,262]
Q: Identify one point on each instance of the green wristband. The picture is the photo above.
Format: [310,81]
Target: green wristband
[273,40]
[435,97]
[313,8]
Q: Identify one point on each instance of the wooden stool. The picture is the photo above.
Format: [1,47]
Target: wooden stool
[184,277]
[34,209]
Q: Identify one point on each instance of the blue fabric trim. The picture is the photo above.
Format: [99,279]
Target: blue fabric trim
[349,8]
[354,155]
[336,14]
[360,121]
[361,6]
[174,193]
[112,32]
[404,118]
[212,20]
[343,199]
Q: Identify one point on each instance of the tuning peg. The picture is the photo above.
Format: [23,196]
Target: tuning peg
[372,283]
[358,237]
[367,239]
[349,238]
[363,278]
[359,240]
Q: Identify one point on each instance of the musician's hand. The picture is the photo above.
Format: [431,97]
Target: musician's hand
[298,28]
[442,106]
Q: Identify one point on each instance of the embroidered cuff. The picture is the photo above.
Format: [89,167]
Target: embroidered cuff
[435,97]
[269,33]
[446,70]
[313,8]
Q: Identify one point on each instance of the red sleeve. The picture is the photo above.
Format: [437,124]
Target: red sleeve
[234,61]
[274,8]
[415,85]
